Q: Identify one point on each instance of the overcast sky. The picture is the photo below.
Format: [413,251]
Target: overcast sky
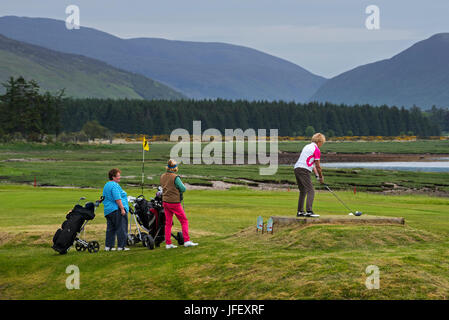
[326,37]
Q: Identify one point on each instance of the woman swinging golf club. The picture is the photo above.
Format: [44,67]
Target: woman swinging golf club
[309,160]
[172,190]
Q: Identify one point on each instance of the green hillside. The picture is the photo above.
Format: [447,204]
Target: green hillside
[80,76]
[416,76]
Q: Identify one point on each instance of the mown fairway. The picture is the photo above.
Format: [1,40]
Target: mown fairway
[231,262]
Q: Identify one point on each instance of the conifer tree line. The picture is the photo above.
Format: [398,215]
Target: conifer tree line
[439,116]
[292,119]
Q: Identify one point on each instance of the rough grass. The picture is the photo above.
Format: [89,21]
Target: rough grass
[419,146]
[87,166]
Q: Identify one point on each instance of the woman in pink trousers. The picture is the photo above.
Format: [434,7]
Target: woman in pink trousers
[172,191]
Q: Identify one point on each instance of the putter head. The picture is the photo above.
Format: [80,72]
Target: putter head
[358,213]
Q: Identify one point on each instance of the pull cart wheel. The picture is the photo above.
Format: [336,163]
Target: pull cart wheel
[150,242]
[131,240]
[78,247]
[180,238]
[93,246]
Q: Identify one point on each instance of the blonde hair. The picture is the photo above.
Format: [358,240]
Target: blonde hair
[318,137]
[171,163]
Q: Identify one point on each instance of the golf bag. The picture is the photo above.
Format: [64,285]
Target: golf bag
[149,216]
[75,222]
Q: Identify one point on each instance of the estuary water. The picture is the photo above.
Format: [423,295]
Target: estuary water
[425,166]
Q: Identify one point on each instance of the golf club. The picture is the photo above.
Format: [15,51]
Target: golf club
[357,213]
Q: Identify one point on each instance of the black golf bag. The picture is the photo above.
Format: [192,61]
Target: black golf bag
[150,216]
[75,221]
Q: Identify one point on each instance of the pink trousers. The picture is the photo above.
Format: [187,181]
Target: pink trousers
[176,209]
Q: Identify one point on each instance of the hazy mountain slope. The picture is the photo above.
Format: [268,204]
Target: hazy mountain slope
[417,76]
[198,69]
[80,76]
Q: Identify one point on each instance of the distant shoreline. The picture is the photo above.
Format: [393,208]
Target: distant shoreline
[291,157]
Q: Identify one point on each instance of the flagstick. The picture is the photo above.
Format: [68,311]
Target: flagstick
[143,165]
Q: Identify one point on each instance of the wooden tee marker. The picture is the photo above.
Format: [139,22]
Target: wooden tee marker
[259,224]
[270,225]
[261,227]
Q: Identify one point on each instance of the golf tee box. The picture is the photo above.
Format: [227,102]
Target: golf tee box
[338,219]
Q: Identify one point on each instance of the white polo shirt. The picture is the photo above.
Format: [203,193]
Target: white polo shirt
[309,154]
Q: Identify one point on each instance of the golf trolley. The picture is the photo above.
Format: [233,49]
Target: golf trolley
[149,220]
[75,223]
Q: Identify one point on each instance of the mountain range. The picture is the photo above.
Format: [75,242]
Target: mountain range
[197,69]
[418,75]
[81,77]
